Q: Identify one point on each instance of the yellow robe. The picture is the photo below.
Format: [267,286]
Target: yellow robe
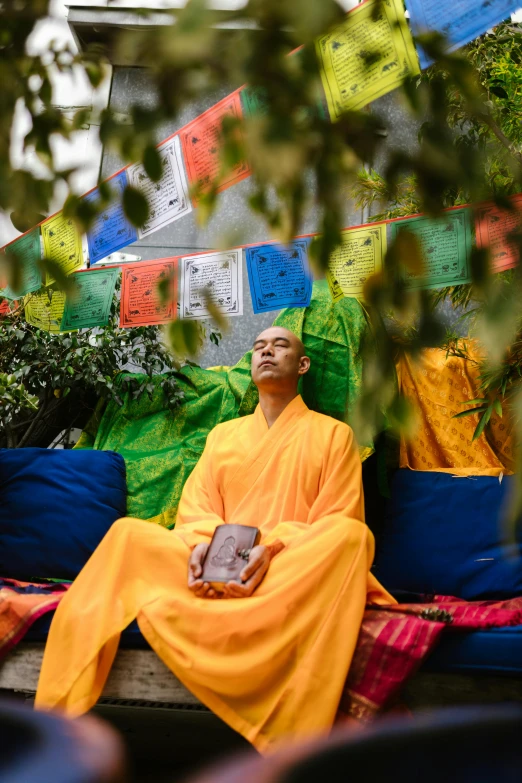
[272,665]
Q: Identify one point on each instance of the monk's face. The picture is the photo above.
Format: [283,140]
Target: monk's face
[278,359]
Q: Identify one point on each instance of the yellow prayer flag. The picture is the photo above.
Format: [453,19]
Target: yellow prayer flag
[62,244]
[364,58]
[45,309]
[359,256]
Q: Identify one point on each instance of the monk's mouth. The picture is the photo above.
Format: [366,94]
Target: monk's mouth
[266,364]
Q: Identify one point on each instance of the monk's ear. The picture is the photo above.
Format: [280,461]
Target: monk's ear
[304,365]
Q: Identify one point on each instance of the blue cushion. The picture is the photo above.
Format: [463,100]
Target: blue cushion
[491,651]
[444,535]
[55,507]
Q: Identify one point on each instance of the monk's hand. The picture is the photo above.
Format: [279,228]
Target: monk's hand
[195,568]
[252,574]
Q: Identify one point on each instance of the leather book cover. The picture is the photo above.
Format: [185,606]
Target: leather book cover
[227,554]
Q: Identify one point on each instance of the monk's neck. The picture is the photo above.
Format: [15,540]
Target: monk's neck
[273,405]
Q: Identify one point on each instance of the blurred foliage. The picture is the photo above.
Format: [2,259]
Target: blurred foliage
[480,105]
[467,107]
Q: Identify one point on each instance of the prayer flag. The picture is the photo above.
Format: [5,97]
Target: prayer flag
[215,275]
[25,251]
[446,248]
[111,230]
[492,227]
[62,244]
[279,276]
[459,20]
[359,256]
[365,57]
[201,146]
[44,309]
[7,306]
[141,303]
[90,304]
[168,198]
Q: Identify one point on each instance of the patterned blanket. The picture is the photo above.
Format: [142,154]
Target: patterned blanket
[394,641]
[21,603]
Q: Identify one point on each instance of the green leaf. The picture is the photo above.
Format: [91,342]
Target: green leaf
[471,412]
[480,427]
[499,91]
[498,407]
[184,338]
[63,282]
[152,163]
[135,206]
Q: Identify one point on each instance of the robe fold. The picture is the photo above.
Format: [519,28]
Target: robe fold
[272,665]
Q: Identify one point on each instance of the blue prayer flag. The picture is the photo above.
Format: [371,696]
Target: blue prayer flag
[459,20]
[111,230]
[279,276]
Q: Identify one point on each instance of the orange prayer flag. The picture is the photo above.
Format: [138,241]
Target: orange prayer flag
[493,226]
[201,143]
[7,306]
[142,303]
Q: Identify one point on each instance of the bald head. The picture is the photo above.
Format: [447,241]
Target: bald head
[278,359]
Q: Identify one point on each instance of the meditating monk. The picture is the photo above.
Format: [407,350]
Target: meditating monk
[271,654]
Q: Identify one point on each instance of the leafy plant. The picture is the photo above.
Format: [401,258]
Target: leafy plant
[52,381]
[14,398]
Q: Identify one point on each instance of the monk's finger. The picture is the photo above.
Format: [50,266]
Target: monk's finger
[196,559]
[236,590]
[195,584]
[202,592]
[227,591]
[255,580]
[195,570]
[193,564]
[261,562]
[251,567]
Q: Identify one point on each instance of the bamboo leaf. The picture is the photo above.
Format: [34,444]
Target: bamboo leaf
[480,427]
[471,412]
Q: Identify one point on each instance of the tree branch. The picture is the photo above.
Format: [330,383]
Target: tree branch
[495,128]
[10,436]
[27,433]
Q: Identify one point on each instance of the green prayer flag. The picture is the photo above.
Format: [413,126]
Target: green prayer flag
[90,304]
[446,248]
[25,251]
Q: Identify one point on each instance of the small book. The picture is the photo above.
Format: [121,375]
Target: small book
[228,554]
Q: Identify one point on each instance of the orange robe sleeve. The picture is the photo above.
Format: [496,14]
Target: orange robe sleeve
[340,496]
[340,491]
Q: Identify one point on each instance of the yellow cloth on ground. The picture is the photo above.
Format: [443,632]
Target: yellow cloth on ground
[273,665]
[437,387]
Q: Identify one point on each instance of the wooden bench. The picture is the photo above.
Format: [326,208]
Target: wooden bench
[137,676]
[140,678]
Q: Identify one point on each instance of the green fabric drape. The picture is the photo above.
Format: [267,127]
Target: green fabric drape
[161,447]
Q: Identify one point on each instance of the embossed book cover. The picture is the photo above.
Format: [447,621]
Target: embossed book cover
[228,553]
